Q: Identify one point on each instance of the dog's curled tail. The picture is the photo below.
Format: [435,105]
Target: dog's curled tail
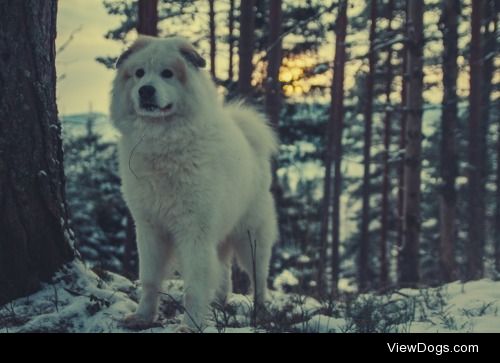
[256,129]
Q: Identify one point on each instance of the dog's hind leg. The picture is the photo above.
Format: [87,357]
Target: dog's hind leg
[253,251]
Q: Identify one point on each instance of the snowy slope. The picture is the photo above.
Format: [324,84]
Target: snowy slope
[81,301]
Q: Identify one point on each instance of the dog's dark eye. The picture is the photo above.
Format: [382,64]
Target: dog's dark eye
[167,73]
[139,73]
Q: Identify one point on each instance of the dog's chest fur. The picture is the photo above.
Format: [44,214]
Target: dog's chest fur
[161,178]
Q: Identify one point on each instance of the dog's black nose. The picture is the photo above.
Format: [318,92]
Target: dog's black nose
[147,92]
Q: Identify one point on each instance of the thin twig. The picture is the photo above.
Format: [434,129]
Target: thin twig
[183,309]
[69,40]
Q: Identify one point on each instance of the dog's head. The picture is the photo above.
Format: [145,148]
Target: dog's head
[154,78]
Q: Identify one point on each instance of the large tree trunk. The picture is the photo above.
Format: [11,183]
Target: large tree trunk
[448,198]
[384,227]
[475,242]
[409,274]
[246,47]
[36,239]
[337,118]
[272,83]
[213,42]
[364,245]
[147,23]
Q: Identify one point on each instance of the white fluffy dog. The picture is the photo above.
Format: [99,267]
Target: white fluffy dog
[195,175]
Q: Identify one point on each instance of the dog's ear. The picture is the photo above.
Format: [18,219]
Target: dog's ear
[140,43]
[192,56]
[123,58]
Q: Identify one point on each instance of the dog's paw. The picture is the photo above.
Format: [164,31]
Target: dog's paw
[183,328]
[138,322]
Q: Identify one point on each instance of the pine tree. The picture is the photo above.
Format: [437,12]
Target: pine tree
[449,169]
[213,38]
[147,17]
[337,119]
[147,23]
[491,18]
[402,151]
[246,47]
[491,48]
[409,272]
[333,154]
[230,41]
[386,185]
[476,222]
[364,245]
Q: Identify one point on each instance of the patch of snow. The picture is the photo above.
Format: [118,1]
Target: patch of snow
[303,259]
[84,300]
[322,324]
[77,301]
[285,279]
[346,285]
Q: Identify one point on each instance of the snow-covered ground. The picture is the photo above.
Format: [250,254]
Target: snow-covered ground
[81,300]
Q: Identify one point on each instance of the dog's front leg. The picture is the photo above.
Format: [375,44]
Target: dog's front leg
[201,275]
[153,256]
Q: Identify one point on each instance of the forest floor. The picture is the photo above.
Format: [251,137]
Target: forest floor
[84,300]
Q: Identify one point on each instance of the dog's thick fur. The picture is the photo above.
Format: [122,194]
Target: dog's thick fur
[195,175]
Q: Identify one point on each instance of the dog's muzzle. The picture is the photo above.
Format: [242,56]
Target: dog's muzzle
[148,100]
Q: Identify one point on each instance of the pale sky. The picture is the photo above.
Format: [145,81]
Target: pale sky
[86,81]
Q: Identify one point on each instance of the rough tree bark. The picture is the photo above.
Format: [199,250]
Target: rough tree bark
[364,244]
[476,225]
[36,239]
[246,47]
[386,185]
[449,169]
[409,274]
[147,23]
[213,42]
